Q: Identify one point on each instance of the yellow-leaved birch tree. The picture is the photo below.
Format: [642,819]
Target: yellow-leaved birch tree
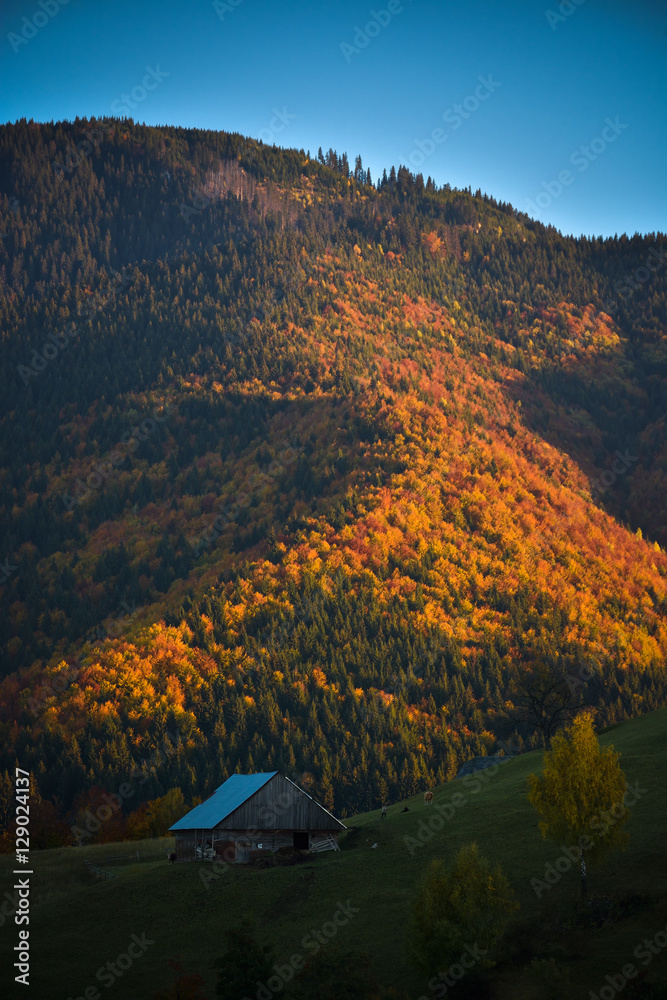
[581,794]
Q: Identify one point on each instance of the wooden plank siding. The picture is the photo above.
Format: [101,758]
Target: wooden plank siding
[279,814]
[280,805]
[240,845]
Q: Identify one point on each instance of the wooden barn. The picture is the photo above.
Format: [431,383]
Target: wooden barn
[251,815]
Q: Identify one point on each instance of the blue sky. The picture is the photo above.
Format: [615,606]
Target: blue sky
[378,79]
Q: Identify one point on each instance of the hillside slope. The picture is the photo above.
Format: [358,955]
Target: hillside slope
[311,468]
[184,912]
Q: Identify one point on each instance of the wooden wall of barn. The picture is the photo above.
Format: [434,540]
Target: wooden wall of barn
[241,845]
[279,805]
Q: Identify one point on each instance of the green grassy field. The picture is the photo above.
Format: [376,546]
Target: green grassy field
[79,923]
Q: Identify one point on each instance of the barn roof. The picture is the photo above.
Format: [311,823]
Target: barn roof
[225,799]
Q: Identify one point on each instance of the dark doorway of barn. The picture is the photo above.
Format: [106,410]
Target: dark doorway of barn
[300,840]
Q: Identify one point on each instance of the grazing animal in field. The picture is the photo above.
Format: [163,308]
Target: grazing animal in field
[428,798]
[405,809]
[172,856]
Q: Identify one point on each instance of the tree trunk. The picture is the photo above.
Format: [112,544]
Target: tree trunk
[583,877]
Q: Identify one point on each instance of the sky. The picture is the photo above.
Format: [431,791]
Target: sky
[559,109]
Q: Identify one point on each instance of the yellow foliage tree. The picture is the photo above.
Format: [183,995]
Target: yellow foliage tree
[581,795]
[154,818]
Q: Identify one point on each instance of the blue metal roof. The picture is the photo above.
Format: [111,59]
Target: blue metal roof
[232,794]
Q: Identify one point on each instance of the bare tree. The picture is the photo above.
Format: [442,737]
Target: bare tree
[545,694]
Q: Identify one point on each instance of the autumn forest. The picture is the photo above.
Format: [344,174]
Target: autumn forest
[311,471]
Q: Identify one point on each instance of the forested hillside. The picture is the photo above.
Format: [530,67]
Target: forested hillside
[301,471]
